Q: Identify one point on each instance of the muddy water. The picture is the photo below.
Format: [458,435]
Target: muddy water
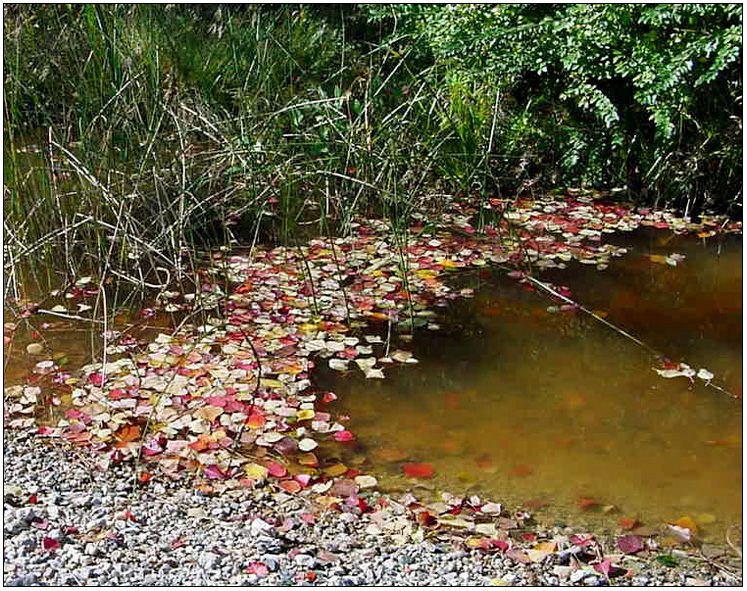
[537,408]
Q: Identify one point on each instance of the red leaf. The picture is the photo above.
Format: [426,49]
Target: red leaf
[33,499]
[426,519]
[344,436]
[629,523]
[97,379]
[418,470]
[144,477]
[276,470]
[585,503]
[50,544]
[500,544]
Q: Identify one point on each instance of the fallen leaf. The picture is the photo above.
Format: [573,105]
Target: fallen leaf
[344,435]
[629,544]
[418,470]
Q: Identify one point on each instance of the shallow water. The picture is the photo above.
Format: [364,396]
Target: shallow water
[529,407]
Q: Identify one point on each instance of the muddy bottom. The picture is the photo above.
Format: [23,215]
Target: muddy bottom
[562,414]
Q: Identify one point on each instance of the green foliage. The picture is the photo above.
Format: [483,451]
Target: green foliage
[187,125]
[622,88]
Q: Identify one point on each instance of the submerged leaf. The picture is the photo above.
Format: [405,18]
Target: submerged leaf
[419,470]
[629,544]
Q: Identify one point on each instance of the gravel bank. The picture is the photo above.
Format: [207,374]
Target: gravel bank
[65,524]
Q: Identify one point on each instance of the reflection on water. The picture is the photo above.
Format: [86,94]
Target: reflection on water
[526,406]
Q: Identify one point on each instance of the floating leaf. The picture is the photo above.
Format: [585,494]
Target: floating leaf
[365,481]
[277,470]
[209,413]
[214,472]
[305,414]
[418,470]
[128,433]
[666,561]
[338,364]
[257,568]
[704,374]
[308,459]
[255,421]
[629,523]
[290,486]
[344,435]
[303,479]
[307,444]
[256,471]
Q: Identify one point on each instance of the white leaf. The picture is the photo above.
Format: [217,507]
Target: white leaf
[338,364]
[307,444]
[704,374]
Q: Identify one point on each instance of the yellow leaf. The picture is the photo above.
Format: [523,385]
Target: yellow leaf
[255,471]
[335,469]
[270,383]
[305,414]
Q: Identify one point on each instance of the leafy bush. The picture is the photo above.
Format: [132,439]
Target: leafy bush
[603,93]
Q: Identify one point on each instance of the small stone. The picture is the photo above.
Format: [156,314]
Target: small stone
[305,560]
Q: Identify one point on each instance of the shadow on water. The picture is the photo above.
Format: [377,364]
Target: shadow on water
[530,407]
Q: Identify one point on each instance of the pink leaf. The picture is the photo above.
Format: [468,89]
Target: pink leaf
[213,471]
[302,479]
[604,567]
[344,436]
[257,568]
[629,544]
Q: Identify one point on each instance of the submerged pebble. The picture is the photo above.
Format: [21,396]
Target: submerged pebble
[173,537]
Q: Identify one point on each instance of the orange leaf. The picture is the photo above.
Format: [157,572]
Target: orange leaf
[290,486]
[255,421]
[390,454]
[521,470]
[128,433]
[418,470]
[585,503]
[629,523]
[687,523]
[308,459]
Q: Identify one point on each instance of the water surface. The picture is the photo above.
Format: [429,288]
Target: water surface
[531,407]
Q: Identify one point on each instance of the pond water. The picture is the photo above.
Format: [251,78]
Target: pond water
[548,410]
[562,414]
